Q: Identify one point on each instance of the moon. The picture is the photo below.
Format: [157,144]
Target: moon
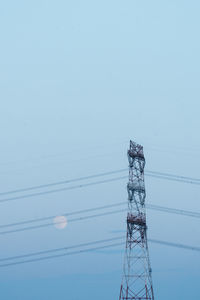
[60,222]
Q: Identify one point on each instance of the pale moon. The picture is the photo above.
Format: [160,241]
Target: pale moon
[60,222]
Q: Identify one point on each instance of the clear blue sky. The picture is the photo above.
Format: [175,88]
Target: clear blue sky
[78,79]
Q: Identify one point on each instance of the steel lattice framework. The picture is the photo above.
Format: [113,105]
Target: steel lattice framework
[137,281]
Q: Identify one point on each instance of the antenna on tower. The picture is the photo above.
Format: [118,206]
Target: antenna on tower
[137,280]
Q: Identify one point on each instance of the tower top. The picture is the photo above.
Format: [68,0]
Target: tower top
[135,150]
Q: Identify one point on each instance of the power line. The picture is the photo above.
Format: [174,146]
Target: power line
[165,243]
[173,175]
[59,255]
[50,224]
[176,211]
[149,206]
[64,214]
[176,245]
[90,184]
[61,249]
[62,189]
[36,187]
[191,181]
[147,173]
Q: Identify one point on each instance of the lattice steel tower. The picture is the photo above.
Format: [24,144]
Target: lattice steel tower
[137,281]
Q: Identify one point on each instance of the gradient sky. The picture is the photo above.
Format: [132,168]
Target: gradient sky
[78,79]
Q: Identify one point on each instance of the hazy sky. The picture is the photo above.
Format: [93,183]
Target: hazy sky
[78,79]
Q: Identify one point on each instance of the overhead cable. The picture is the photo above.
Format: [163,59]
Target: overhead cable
[8,261]
[149,206]
[155,174]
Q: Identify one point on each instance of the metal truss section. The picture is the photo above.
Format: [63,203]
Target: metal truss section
[137,280]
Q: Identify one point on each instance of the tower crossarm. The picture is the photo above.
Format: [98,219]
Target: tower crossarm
[139,220]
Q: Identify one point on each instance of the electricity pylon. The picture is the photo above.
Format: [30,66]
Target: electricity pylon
[137,281]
